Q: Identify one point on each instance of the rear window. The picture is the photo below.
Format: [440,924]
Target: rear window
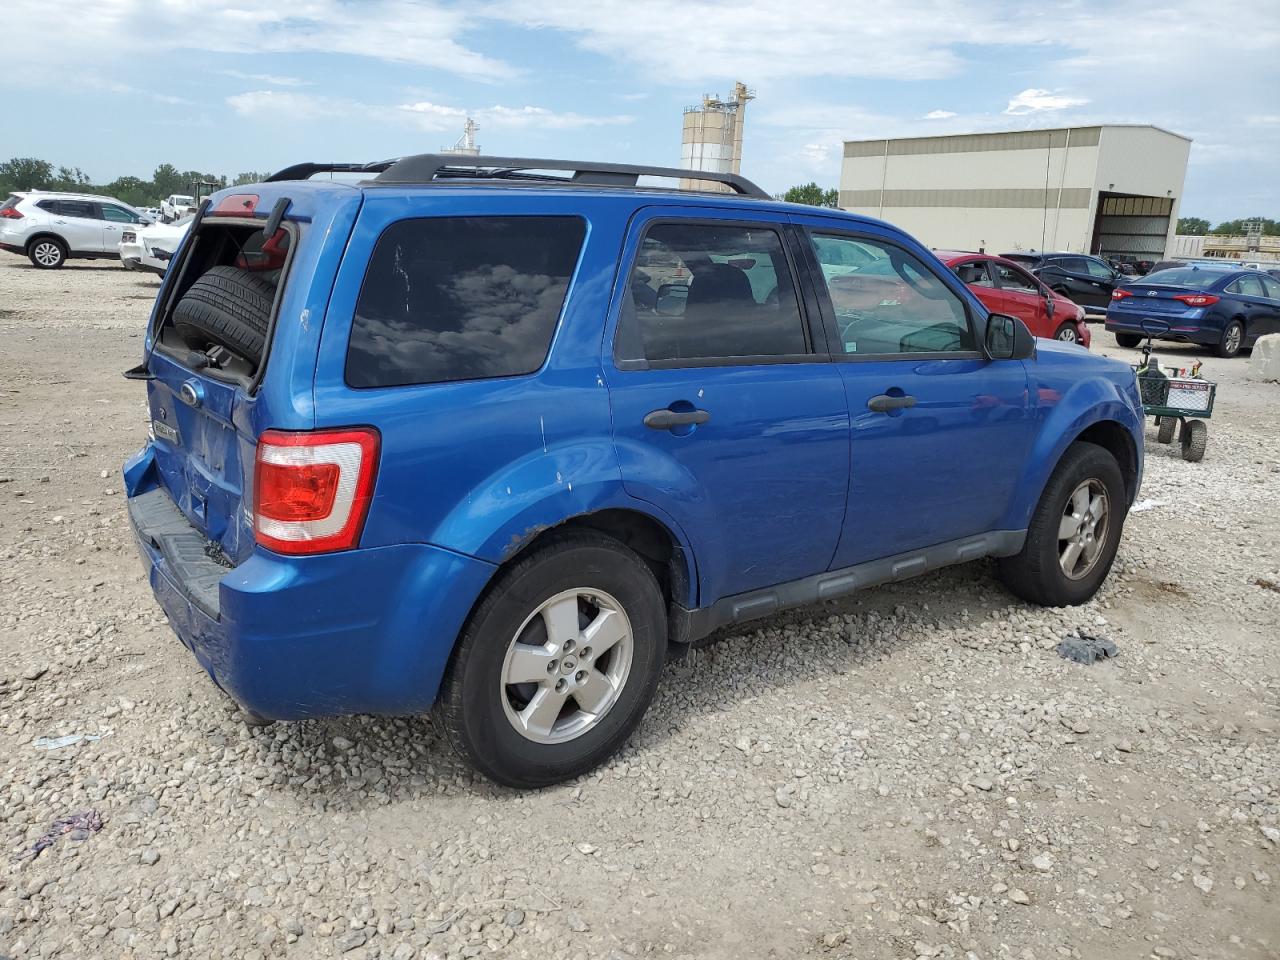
[1185,277]
[461,298]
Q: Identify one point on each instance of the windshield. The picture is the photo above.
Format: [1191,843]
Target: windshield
[1185,277]
[182,200]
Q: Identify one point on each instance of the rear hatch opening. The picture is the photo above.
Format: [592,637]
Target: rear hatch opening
[211,343]
[217,315]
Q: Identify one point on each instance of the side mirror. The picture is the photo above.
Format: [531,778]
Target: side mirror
[1008,338]
[1050,305]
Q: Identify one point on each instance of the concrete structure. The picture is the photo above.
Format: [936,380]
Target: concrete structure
[712,136]
[1111,190]
[1248,248]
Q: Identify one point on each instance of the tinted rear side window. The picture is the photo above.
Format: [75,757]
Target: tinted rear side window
[461,298]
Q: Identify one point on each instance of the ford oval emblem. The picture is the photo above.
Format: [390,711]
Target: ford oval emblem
[192,393]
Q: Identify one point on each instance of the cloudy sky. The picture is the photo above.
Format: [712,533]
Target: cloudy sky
[118,86]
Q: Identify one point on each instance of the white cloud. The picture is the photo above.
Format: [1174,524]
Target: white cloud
[423,33]
[1033,100]
[938,115]
[270,79]
[425,114]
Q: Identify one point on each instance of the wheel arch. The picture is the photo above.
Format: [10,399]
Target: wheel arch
[652,539]
[47,235]
[1092,412]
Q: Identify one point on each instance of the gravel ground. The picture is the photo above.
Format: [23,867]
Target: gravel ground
[911,772]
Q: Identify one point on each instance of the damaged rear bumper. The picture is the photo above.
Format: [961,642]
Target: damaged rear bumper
[358,631]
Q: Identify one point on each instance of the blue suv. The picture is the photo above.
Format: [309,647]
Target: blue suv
[494,435]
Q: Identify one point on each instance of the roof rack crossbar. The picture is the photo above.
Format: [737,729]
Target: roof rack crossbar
[426,167]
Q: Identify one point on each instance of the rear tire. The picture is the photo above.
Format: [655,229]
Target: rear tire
[1128,339]
[1232,339]
[1164,434]
[47,253]
[1038,574]
[229,307]
[1195,438]
[490,717]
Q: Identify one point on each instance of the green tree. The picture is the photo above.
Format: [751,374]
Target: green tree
[25,173]
[1270,228]
[813,195]
[241,179]
[1193,226]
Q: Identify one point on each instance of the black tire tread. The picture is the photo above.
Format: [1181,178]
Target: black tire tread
[1033,574]
[230,307]
[451,701]
[1128,339]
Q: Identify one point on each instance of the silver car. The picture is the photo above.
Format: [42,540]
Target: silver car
[51,228]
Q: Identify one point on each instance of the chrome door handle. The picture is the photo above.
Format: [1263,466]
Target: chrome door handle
[884,403]
[666,419]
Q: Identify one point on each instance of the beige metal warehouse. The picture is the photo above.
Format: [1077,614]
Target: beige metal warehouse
[1112,190]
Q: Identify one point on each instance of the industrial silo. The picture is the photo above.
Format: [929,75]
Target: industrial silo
[712,136]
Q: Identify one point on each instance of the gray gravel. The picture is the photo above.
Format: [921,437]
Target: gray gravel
[912,772]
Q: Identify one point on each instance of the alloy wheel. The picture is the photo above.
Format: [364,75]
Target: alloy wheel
[1067,335]
[1083,529]
[47,253]
[1232,343]
[567,665]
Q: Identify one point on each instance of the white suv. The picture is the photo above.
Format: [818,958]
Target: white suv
[51,228]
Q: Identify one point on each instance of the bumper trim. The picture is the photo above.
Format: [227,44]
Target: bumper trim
[159,523]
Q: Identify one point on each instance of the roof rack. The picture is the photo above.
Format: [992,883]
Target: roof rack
[432,167]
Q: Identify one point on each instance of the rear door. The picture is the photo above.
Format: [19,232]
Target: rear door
[1271,286]
[938,433]
[975,274]
[80,224]
[727,412]
[1258,309]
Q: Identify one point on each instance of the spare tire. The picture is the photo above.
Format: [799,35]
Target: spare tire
[229,307]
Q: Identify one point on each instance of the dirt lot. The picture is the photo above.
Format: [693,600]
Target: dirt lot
[912,772]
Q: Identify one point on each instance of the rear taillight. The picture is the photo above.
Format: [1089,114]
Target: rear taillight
[10,213]
[1119,294]
[311,490]
[1197,299]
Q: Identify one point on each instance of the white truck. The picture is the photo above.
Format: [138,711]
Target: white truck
[176,206]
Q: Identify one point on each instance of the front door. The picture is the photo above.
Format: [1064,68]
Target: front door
[939,434]
[727,412]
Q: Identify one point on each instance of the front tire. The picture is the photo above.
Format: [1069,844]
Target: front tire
[1067,333]
[1166,429]
[557,663]
[47,253]
[1074,531]
[1128,339]
[1232,339]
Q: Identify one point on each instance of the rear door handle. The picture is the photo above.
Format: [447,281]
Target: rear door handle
[884,403]
[666,419]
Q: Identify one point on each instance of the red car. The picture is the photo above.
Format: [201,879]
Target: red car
[1004,287]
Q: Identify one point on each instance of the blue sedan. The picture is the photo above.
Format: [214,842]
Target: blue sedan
[1221,307]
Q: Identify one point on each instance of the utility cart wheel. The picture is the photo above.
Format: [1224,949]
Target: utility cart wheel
[1195,437]
[1167,426]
